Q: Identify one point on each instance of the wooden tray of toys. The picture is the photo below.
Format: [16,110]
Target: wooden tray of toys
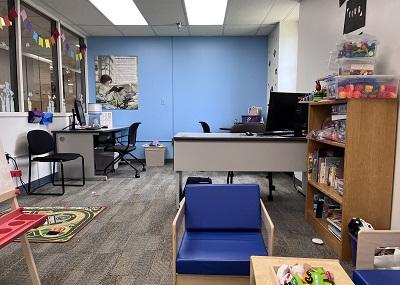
[297,271]
[16,223]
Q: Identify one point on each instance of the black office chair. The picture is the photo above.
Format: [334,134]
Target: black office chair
[125,150]
[205,126]
[41,142]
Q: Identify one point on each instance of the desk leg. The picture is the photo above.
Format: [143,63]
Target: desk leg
[304,181]
[252,277]
[179,193]
[271,186]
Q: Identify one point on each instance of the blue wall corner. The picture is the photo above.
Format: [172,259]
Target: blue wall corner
[183,80]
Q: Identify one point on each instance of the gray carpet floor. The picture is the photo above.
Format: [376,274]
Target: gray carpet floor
[130,242]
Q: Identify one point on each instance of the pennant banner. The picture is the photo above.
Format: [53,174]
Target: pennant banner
[45,42]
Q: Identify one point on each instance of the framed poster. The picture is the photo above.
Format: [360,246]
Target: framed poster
[117,82]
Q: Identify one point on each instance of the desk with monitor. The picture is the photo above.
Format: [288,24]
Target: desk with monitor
[89,143]
[238,152]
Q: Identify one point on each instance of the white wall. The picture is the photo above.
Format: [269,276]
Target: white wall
[14,126]
[273,60]
[288,42]
[320,28]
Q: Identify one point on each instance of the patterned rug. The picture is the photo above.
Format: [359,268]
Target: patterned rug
[62,223]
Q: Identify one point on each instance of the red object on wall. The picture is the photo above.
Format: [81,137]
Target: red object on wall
[16,173]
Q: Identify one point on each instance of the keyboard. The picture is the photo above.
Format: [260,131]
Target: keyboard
[88,128]
[277,133]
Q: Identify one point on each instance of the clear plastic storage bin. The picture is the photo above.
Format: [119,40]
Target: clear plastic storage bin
[371,86]
[357,46]
[356,66]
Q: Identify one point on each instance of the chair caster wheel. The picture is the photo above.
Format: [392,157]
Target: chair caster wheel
[144,169]
[137,175]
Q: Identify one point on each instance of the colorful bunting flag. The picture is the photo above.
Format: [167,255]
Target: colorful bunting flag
[35,36]
[47,43]
[52,40]
[2,23]
[13,14]
[40,41]
[77,57]
[56,34]
[23,15]
[80,56]
[67,46]
[29,26]
[7,21]
[62,37]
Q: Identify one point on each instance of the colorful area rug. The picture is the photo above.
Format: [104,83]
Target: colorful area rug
[62,223]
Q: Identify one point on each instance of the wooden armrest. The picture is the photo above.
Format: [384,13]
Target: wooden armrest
[368,241]
[268,225]
[177,233]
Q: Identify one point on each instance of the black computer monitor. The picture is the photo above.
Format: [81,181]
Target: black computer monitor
[285,112]
[80,114]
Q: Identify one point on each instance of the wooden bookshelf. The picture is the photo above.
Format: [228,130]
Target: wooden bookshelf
[328,191]
[329,142]
[369,156]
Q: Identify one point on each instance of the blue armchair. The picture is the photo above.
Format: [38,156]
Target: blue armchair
[216,230]
[368,242]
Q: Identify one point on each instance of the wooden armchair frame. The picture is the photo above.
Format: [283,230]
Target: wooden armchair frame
[367,243]
[178,228]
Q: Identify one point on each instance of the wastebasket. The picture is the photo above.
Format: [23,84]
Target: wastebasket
[155,155]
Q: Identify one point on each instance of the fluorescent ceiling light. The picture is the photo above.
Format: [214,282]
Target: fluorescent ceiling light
[120,12]
[206,12]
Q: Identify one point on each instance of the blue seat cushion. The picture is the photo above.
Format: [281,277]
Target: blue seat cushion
[218,253]
[222,207]
[376,277]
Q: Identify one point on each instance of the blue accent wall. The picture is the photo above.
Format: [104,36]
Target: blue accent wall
[183,80]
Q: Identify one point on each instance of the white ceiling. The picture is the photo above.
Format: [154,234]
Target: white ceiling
[242,18]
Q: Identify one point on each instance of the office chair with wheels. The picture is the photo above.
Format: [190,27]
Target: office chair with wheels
[205,126]
[41,142]
[125,150]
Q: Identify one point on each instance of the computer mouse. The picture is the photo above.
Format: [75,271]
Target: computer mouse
[249,134]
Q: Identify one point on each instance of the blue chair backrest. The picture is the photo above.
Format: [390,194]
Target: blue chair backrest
[222,207]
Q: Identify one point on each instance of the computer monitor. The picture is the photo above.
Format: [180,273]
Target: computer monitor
[285,113]
[80,114]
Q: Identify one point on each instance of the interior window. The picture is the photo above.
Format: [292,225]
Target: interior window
[73,71]
[8,75]
[39,63]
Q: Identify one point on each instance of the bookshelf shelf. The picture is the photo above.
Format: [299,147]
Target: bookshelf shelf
[328,191]
[329,142]
[325,102]
[368,166]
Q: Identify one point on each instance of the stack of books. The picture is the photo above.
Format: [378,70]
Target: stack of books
[325,166]
[335,224]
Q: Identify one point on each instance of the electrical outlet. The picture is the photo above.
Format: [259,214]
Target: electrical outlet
[163,101]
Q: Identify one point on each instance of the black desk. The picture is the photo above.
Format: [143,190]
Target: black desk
[87,143]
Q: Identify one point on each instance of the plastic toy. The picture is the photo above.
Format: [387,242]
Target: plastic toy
[304,275]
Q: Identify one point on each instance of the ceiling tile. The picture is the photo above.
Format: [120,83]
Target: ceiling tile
[206,30]
[280,10]
[77,11]
[295,14]
[240,30]
[247,12]
[265,30]
[164,12]
[135,30]
[100,30]
[171,30]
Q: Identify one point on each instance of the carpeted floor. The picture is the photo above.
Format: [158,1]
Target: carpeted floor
[130,242]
